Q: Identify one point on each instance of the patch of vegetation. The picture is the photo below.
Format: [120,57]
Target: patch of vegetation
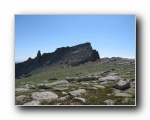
[93,97]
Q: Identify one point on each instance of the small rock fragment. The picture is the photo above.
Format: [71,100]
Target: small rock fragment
[33,102]
[21,90]
[79,99]
[123,95]
[109,102]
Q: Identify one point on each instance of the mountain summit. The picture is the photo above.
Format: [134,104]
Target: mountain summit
[64,56]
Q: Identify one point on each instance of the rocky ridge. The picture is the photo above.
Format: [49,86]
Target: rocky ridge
[64,56]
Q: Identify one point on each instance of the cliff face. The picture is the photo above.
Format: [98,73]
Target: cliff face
[67,56]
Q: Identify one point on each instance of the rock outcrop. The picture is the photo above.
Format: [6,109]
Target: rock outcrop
[44,96]
[77,92]
[65,56]
[122,85]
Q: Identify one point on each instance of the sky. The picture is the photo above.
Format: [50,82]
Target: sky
[110,35]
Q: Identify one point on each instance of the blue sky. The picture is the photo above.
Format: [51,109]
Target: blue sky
[110,35]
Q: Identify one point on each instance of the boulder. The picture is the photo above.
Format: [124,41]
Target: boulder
[51,85]
[64,93]
[122,85]
[29,86]
[89,78]
[21,90]
[32,87]
[33,102]
[109,102]
[77,92]
[63,98]
[108,94]
[99,86]
[45,86]
[125,100]
[132,84]
[21,97]
[59,89]
[44,96]
[123,95]
[79,99]
[109,78]
[106,82]
[60,83]
[115,91]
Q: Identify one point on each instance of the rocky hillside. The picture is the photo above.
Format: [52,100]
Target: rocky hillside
[65,56]
[109,81]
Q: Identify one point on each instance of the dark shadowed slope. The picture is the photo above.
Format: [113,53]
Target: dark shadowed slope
[66,56]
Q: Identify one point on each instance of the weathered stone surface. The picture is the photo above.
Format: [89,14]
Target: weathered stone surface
[60,83]
[33,102]
[63,98]
[21,90]
[125,100]
[77,92]
[123,95]
[32,87]
[109,78]
[79,99]
[64,93]
[29,86]
[116,91]
[132,84]
[89,78]
[107,82]
[130,90]
[122,85]
[59,89]
[45,86]
[21,97]
[44,96]
[51,85]
[99,86]
[109,102]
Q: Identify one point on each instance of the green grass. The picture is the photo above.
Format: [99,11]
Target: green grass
[93,97]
